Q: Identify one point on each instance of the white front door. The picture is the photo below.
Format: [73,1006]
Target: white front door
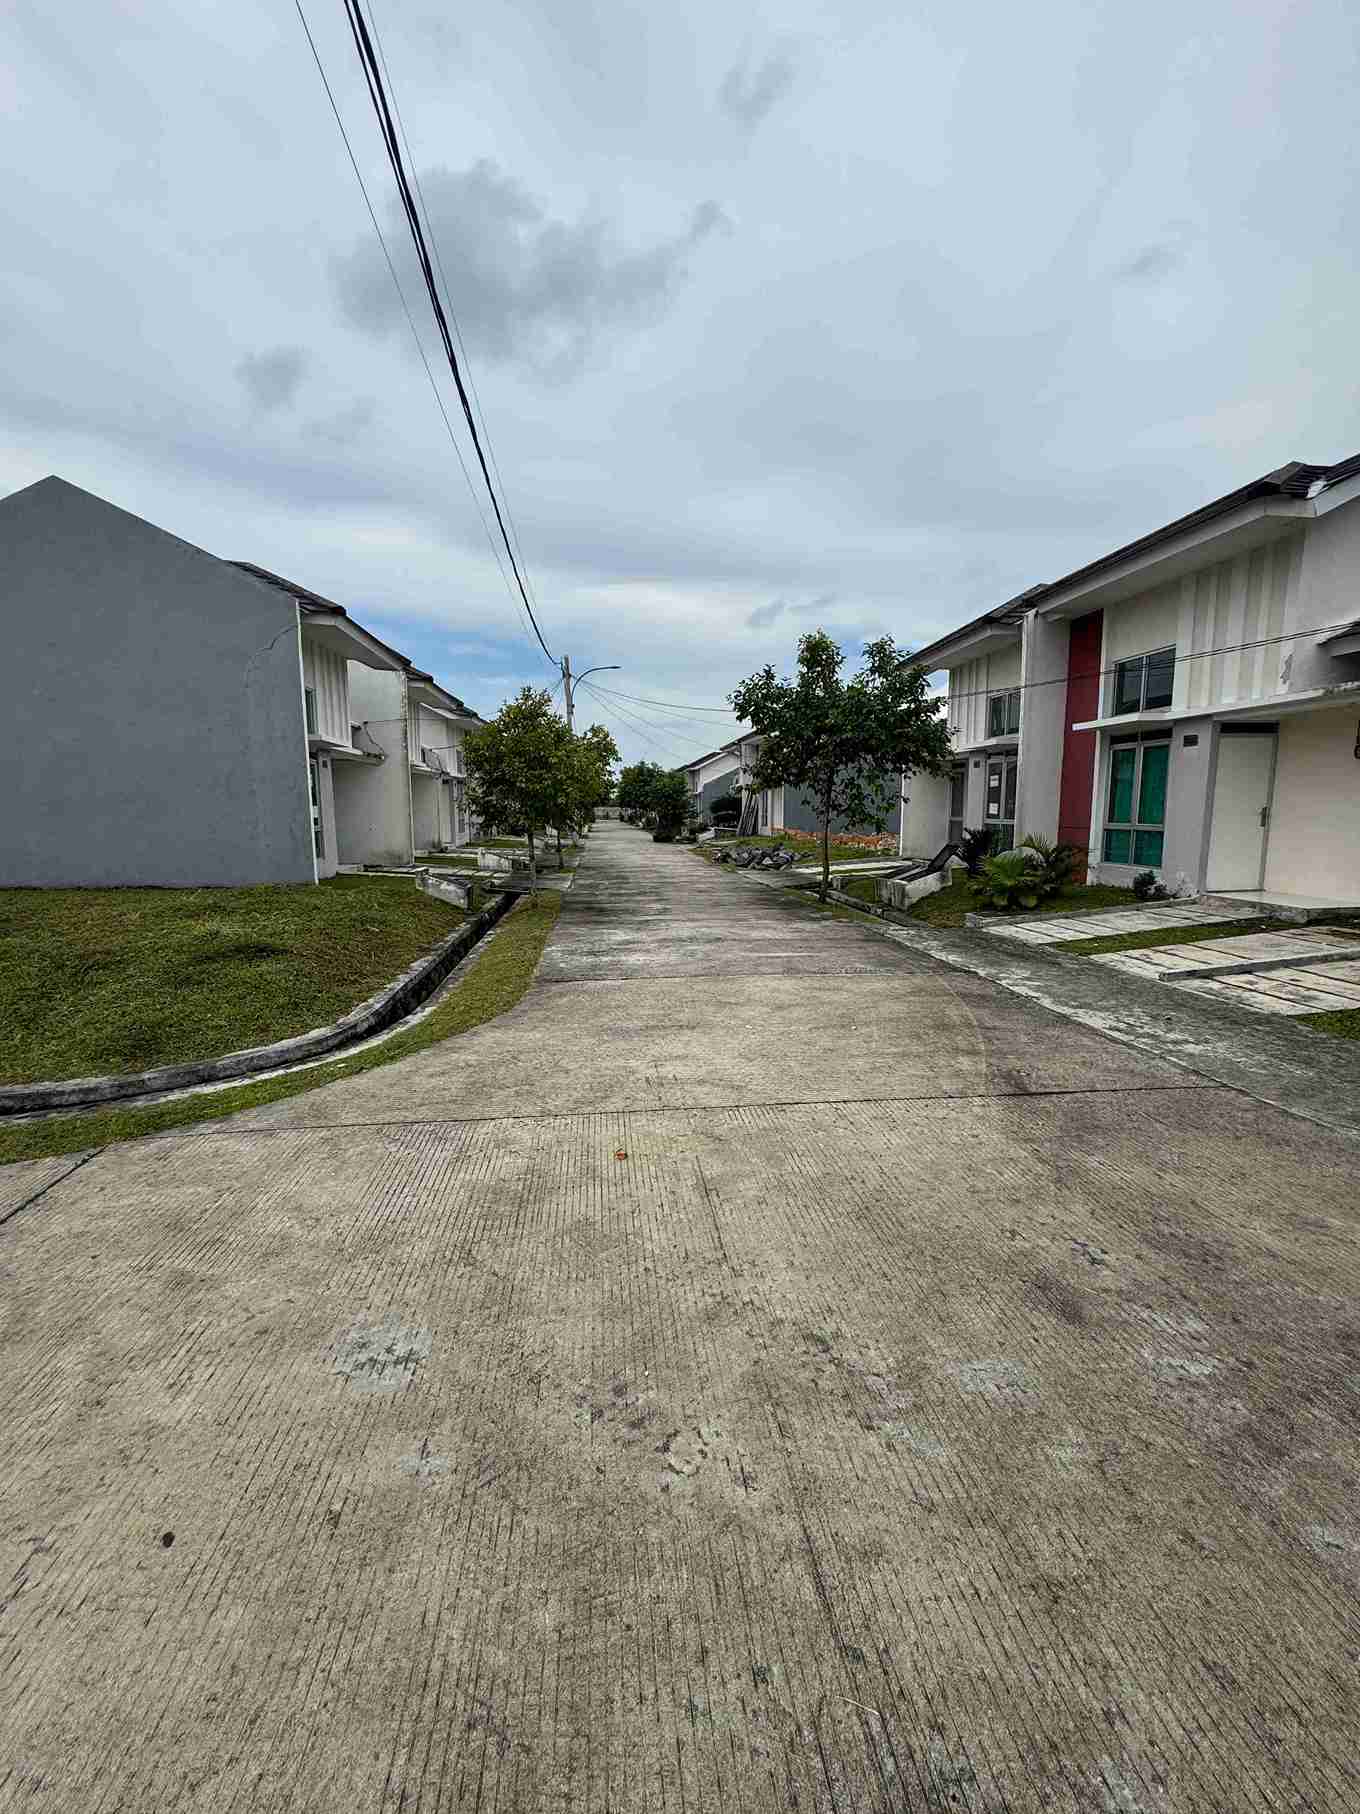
[1242,787]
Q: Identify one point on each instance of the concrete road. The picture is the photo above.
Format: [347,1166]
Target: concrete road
[763,1371]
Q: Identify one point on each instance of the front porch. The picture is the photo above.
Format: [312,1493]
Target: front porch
[1280,904]
[1262,811]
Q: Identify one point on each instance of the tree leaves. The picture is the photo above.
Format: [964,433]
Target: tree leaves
[844,742]
[527,771]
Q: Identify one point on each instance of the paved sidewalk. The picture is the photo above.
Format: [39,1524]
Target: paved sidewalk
[1110,922]
[767,1369]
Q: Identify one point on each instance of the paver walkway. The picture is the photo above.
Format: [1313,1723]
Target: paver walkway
[764,1370]
[1060,928]
[1319,987]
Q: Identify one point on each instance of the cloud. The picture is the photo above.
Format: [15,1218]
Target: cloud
[764,615]
[271,379]
[747,94]
[345,426]
[823,602]
[528,289]
[1159,258]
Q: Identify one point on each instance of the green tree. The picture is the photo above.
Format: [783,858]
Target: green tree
[637,786]
[520,768]
[844,743]
[670,801]
[588,774]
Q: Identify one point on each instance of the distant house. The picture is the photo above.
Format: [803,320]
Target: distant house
[179,720]
[713,776]
[728,770]
[1189,703]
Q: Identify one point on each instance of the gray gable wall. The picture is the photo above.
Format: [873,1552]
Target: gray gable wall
[151,702]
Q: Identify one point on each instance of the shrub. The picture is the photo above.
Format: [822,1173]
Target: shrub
[1059,861]
[666,836]
[1011,881]
[974,846]
[1146,887]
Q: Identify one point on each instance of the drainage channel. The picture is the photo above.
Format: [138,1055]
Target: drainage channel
[425,1006]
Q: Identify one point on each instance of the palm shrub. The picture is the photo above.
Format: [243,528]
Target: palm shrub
[1012,880]
[1058,861]
[974,846]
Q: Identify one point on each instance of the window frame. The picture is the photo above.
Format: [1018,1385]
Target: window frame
[309,711]
[1141,662]
[956,822]
[1007,768]
[1134,826]
[1004,699]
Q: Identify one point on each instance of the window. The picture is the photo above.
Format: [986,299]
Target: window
[1143,684]
[1003,713]
[1135,811]
[958,785]
[314,784]
[309,703]
[999,807]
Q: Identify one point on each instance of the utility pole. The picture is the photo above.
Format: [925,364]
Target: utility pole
[609,668]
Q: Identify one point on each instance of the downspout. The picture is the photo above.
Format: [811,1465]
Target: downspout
[406,765]
[306,748]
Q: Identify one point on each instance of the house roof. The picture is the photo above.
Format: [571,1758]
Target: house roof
[1296,479]
[723,749]
[446,701]
[312,604]
[1010,613]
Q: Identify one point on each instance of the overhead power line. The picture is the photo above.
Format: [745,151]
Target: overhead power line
[723,710]
[410,319]
[448,300]
[633,724]
[382,108]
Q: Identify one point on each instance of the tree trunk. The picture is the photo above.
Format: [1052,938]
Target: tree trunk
[826,839]
[533,867]
[557,833]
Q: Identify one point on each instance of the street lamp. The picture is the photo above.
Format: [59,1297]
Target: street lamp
[611,667]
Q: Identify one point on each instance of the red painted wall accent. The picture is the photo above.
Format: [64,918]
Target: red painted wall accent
[1079,747]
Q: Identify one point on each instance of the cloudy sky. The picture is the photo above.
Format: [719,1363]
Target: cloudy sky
[859,314]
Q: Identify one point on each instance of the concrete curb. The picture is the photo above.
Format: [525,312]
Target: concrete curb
[372,1016]
[1245,966]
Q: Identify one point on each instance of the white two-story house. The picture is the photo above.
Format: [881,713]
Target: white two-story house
[437,722]
[1213,700]
[1189,703]
[344,758]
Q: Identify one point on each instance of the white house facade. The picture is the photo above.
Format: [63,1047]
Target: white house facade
[341,755]
[1188,704]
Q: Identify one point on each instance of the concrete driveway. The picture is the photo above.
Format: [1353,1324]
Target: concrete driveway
[765,1370]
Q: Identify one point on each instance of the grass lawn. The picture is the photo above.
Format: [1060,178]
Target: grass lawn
[861,887]
[1341,1023]
[495,979]
[1174,935]
[110,980]
[948,906]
